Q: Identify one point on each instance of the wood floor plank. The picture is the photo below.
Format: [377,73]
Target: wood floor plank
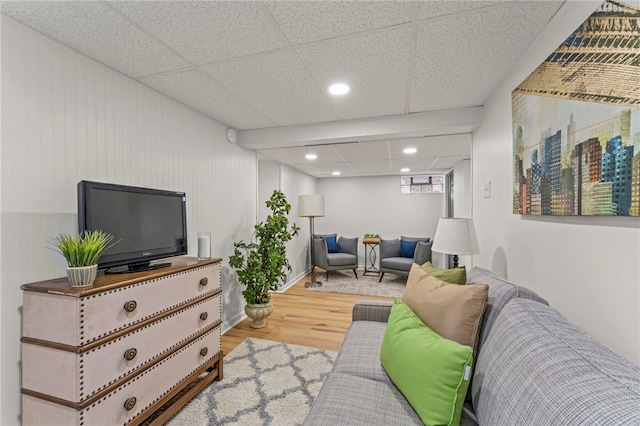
[302,317]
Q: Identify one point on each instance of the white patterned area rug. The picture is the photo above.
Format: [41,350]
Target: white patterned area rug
[366,285]
[264,383]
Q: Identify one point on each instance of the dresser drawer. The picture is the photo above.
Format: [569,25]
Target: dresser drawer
[147,388]
[98,368]
[77,322]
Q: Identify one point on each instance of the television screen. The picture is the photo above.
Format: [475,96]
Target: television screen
[149,223]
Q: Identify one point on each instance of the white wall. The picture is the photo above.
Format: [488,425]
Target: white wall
[374,205]
[293,183]
[66,118]
[462,190]
[587,267]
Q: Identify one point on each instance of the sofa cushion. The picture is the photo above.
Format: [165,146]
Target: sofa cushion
[340,259]
[397,263]
[332,244]
[360,351]
[431,372]
[451,310]
[350,400]
[538,368]
[500,293]
[408,248]
[453,275]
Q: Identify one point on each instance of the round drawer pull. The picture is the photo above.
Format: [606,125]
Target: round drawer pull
[130,354]
[204,281]
[204,351]
[204,316]
[130,403]
[130,306]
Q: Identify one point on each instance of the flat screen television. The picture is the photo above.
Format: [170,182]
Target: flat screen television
[150,224]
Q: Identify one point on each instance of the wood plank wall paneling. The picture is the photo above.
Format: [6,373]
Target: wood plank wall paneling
[66,118]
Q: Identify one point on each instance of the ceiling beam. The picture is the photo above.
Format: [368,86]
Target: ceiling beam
[432,123]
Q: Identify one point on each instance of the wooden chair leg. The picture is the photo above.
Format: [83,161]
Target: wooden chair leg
[355,273]
[381,275]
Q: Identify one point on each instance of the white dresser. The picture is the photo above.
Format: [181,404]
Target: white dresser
[130,349]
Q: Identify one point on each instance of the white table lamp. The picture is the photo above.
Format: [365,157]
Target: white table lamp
[456,236]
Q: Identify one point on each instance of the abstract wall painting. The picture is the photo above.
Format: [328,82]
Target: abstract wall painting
[576,122]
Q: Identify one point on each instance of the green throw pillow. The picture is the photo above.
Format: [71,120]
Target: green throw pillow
[431,372]
[453,275]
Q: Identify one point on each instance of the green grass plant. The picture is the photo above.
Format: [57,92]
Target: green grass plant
[82,249]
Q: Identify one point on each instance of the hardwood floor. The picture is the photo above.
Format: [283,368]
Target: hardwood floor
[301,317]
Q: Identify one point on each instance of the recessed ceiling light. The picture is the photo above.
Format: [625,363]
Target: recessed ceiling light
[311,156]
[409,150]
[338,89]
[405,170]
[336,173]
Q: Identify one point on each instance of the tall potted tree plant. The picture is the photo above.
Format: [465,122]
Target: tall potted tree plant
[262,265]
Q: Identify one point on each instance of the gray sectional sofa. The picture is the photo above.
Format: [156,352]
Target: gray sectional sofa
[532,368]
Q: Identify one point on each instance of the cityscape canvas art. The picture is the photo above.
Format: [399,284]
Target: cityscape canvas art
[576,121]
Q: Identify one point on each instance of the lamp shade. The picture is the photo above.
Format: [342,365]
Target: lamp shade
[456,236]
[311,205]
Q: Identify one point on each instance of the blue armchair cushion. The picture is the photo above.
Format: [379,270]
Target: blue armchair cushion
[332,244]
[407,248]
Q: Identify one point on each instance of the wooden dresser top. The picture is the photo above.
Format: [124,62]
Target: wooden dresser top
[103,282]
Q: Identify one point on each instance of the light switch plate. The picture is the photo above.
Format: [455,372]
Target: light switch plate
[487,189]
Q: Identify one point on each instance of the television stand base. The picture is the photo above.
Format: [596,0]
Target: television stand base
[129,269]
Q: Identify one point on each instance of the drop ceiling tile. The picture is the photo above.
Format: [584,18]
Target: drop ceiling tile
[446,163]
[207,31]
[278,85]
[371,166]
[326,169]
[296,155]
[416,165]
[308,21]
[284,155]
[429,146]
[374,66]
[457,145]
[363,151]
[199,92]
[99,32]
[475,52]
[431,9]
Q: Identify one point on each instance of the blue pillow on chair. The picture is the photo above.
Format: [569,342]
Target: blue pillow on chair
[408,248]
[332,245]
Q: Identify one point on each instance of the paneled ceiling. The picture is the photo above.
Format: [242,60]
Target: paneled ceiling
[263,68]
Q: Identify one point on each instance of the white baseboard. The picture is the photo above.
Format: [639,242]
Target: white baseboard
[233,322]
[241,315]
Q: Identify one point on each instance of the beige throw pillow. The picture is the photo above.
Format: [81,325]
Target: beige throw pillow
[453,311]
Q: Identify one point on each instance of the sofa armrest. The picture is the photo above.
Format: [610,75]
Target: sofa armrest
[371,310]
[423,253]
[320,253]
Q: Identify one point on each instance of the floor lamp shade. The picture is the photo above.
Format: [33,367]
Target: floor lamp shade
[456,236]
[311,205]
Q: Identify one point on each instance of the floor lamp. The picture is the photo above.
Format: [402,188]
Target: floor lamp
[311,206]
[456,236]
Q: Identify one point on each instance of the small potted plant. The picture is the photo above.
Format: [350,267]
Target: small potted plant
[82,252]
[262,265]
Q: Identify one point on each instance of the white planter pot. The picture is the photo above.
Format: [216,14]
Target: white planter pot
[82,276]
[258,313]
